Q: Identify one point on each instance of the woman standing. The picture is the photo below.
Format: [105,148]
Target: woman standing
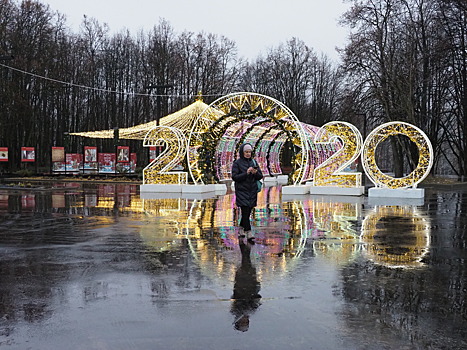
[245,173]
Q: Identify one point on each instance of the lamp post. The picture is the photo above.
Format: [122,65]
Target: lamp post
[160,89]
[6,57]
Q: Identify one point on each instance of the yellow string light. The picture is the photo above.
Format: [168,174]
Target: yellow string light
[381,133]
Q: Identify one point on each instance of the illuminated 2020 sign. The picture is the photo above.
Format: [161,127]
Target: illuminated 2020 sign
[331,172]
[319,154]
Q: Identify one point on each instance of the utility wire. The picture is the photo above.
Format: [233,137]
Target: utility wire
[68,84]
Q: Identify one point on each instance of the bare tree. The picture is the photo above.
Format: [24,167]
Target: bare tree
[453,20]
[396,61]
[293,74]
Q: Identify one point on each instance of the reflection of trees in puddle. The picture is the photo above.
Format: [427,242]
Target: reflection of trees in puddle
[417,308]
[396,236]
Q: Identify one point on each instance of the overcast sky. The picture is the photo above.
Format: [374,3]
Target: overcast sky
[255,25]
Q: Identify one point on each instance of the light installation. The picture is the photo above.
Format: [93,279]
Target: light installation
[215,132]
[381,133]
[244,117]
[182,120]
[331,171]
[173,144]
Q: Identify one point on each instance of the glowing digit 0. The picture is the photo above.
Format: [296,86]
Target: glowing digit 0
[381,133]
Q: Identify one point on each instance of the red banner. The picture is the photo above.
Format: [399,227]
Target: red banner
[152,153]
[73,162]
[3,154]
[107,163]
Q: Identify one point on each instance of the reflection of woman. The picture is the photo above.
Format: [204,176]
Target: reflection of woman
[246,288]
[245,173]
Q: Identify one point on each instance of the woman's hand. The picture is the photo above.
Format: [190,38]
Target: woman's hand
[251,170]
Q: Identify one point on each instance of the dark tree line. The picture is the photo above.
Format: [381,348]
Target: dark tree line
[405,60]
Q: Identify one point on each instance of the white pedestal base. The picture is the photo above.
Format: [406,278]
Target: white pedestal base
[160,188]
[337,191]
[387,201]
[269,181]
[282,179]
[198,188]
[160,195]
[299,189]
[220,188]
[396,193]
[399,196]
[155,191]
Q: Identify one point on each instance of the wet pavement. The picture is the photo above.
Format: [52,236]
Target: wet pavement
[94,266]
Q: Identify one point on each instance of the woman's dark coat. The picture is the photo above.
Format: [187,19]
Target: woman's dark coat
[246,189]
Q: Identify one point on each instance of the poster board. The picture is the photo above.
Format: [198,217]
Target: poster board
[107,163]
[73,162]
[90,160]
[28,154]
[58,159]
[123,154]
[3,154]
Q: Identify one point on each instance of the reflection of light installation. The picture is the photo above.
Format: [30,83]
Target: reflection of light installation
[331,171]
[335,219]
[217,253]
[159,170]
[396,236]
[329,223]
[165,220]
[381,133]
